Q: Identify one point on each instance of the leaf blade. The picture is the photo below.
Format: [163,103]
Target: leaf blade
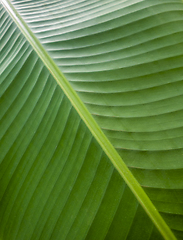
[107,149]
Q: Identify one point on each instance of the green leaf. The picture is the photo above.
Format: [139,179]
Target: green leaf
[124,59]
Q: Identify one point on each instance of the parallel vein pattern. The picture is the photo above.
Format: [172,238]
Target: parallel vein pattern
[125,59]
[56,182]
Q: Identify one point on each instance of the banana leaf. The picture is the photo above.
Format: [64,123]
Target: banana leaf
[91,120]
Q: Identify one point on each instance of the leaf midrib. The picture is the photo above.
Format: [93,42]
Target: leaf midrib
[91,124]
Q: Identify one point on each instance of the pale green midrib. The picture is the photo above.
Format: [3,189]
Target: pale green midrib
[92,125]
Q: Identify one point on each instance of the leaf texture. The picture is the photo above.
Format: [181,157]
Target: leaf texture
[125,61]
[51,165]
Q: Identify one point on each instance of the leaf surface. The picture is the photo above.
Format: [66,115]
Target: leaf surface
[57,183]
